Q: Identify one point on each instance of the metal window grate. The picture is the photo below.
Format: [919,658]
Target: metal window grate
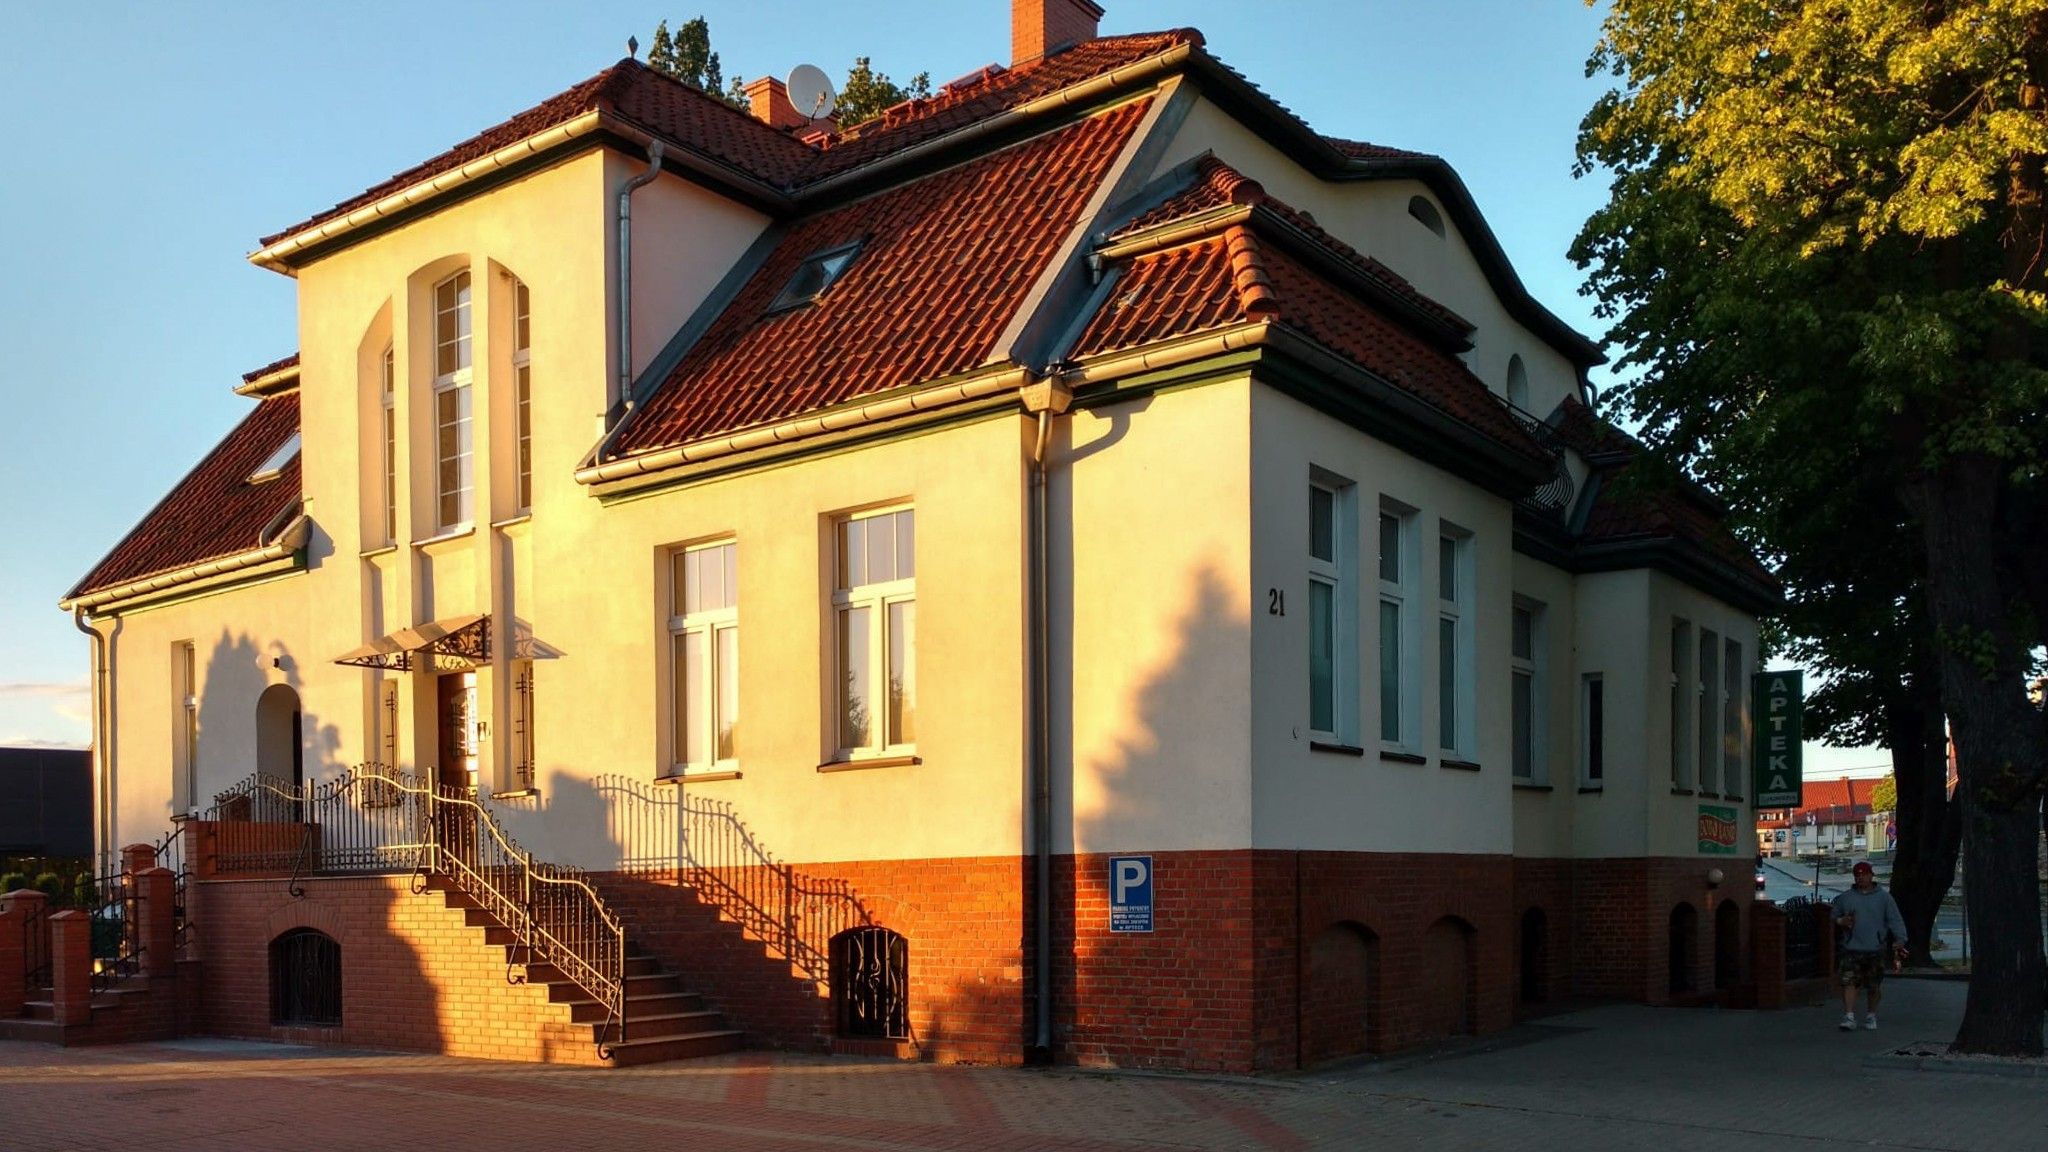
[305,979]
[871,983]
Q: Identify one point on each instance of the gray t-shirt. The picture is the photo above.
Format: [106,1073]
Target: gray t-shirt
[1877,920]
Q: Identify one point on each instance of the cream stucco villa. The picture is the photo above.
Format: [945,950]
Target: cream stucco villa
[839,545]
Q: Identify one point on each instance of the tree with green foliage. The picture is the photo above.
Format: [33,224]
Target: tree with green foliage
[1825,252]
[1884,796]
[686,55]
[868,93]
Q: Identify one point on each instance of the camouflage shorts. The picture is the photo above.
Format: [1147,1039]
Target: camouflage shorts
[1860,969]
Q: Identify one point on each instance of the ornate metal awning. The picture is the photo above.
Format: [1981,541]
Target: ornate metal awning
[451,645]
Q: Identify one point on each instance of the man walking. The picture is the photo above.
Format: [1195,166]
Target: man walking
[1870,927]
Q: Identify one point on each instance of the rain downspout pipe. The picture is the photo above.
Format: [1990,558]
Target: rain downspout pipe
[102,777]
[1045,399]
[624,398]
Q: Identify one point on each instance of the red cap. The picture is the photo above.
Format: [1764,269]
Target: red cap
[1862,866]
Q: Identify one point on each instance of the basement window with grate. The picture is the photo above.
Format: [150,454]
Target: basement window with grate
[818,272]
[871,983]
[305,979]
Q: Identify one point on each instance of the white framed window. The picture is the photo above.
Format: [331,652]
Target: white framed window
[454,431]
[1526,691]
[874,628]
[1455,675]
[185,684]
[388,407]
[1706,722]
[1397,570]
[1734,778]
[274,464]
[1681,716]
[704,657]
[522,398]
[1518,383]
[1592,731]
[819,271]
[1332,610]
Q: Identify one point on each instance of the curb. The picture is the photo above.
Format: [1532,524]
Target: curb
[1957,1066]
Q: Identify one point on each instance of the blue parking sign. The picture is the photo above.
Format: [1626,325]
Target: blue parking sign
[1130,893]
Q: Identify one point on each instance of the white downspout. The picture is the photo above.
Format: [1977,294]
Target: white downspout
[103,779]
[624,397]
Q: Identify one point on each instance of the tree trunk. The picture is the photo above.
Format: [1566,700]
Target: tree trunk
[1930,825]
[2001,747]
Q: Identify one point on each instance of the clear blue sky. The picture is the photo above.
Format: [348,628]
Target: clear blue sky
[149,144]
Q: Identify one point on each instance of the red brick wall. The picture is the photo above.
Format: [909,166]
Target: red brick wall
[414,975]
[1545,886]
[1621,917]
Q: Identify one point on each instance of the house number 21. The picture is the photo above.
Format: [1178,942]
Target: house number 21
[1276,602]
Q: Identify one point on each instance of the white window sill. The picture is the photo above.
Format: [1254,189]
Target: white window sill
[379,550]
[512,521]
[858,763]
[699,775]
[446,534]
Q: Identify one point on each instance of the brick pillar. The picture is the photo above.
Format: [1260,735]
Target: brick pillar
[1824,920]
[13,981]
[137,858]
[1767,954]
[71,966]
[155,920]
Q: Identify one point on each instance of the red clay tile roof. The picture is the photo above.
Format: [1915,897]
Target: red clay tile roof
[214,511]
[684,116]
[945,262]
[1218,184]
[1361,150]
[1846,792]
[1638,503]
[634,92]
[277,365]
[1237,276]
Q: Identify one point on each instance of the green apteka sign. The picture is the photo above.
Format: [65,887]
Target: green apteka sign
[1779,714]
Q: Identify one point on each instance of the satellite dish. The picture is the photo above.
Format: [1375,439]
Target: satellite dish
[810,91]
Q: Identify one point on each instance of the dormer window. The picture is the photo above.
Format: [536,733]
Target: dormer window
[818,272]
[1420,208]
[273,465]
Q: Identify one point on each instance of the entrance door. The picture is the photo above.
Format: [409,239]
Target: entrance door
[455,694]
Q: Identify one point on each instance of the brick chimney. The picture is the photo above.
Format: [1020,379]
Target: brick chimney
[1042,27]
[768,99]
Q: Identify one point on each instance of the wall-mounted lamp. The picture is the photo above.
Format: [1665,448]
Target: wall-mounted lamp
[1714,877]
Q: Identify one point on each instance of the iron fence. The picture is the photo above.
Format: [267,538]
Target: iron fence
[1802,940]
[116,945]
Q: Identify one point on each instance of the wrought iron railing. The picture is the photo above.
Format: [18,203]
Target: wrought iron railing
[170,856]
[662,828]
[376,819]
[1554,497]
[1802,939]
[116,945]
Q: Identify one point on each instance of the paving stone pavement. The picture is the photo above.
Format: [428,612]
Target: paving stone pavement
[1618,1077]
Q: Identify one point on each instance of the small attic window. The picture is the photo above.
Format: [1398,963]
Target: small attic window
[273,466]
[818,272]
[1420,208]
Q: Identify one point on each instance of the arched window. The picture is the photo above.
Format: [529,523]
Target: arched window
[1518,383]
[1420,208]
[305,979]
[1684,939]
[871,983]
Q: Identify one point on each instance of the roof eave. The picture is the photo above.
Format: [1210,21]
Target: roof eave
[287,545]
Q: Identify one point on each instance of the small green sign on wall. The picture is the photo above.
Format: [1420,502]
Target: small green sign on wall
[1717,830]
[1779,713]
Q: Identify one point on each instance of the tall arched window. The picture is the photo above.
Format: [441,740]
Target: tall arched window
[454,460]
[1518,383]
[522,398]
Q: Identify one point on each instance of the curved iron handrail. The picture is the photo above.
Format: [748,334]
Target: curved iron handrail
[716,854]
[373,817]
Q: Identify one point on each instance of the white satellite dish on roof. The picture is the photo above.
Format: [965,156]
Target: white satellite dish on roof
[810,91]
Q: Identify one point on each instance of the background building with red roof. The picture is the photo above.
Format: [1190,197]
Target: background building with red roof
[1082,565]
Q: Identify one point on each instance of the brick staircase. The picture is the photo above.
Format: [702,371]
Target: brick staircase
[664,1020]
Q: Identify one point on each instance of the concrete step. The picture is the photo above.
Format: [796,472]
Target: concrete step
[673,1024]
[586,1011]
[561,991]
[660,1048]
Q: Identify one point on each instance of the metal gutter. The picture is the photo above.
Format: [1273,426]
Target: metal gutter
[976,387]
[102,779]
[289,540]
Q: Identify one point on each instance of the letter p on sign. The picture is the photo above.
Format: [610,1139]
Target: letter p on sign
[1130,894]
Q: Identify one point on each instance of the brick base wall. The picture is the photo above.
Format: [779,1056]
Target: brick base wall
[1622,914]
[414,976]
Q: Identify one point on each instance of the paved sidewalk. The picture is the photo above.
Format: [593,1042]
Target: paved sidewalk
[1617,1077]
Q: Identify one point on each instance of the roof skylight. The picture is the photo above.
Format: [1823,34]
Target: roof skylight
[273,466]
[818,272]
